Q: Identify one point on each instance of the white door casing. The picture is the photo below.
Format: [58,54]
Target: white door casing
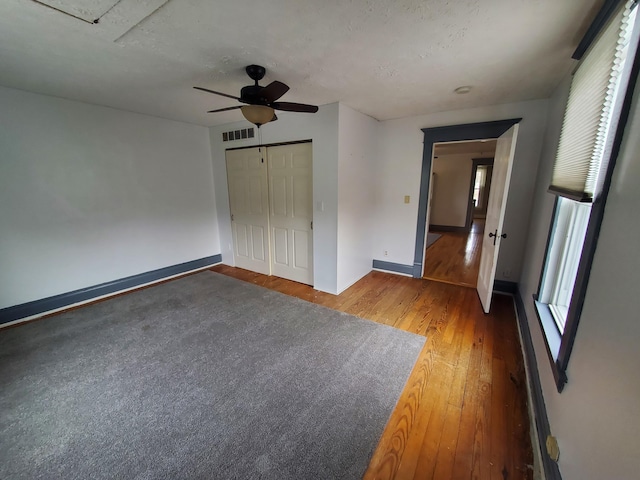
[248,202]
[493,234]
[291,211]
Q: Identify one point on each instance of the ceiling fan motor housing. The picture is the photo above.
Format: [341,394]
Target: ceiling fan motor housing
[252,94]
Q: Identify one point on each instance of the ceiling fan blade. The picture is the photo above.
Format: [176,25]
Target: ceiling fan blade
[274,91]
[294,107]
[216,93]
[224,109]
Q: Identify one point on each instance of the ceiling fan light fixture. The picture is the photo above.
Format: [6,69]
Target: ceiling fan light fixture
[257,114]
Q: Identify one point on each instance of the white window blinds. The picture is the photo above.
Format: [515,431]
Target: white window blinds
[592,112]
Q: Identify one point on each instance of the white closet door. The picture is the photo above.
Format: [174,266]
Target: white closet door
[290,209]
[248,201]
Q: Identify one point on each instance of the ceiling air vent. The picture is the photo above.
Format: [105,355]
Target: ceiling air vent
[237,135]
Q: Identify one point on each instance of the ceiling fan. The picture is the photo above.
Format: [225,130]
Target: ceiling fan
[261,101]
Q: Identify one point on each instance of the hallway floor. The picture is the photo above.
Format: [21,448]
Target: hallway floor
[455,257]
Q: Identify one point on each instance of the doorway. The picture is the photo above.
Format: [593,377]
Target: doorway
[461,179]
[506,131]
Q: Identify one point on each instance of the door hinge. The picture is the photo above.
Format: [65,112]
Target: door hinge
[311,224]
[232,217]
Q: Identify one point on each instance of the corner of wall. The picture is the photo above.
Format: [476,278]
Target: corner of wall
[357,150]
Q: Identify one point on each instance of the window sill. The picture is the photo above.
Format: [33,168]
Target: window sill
[553,338]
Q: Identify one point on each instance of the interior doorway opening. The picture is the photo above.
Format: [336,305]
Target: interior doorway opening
[461,179]
[506,133]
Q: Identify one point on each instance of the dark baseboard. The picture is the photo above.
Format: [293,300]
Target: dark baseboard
[393,267]
[28,309]
[504,286]
[551,470]
[448,228]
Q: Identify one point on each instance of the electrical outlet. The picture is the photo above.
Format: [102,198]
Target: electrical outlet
[385,253]
[506,273]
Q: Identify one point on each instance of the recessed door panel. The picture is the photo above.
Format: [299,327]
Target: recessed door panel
[277,160]
[259,243]
[241,240]
[238,195]
[255,195]
[281,246]
[301,249]
[300,203]
[278,195]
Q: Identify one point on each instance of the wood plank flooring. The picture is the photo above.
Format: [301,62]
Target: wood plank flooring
[463,412]
[455,257]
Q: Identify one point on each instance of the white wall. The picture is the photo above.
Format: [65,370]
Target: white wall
[322,129]
[450,197]
[597,416]
[90,194]
[400,165]
[356,215]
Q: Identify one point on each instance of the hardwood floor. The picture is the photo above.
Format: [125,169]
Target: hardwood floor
[463,412]
[455,257]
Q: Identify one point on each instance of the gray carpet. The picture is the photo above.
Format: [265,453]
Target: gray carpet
[202,377]
[431,238]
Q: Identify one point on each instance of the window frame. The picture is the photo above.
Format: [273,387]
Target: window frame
[571,224]
[560,345]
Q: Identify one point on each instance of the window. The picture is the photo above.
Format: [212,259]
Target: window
[567,241]
[479,185]
[585,158]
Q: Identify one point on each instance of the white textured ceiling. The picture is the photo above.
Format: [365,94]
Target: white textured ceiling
[385,58]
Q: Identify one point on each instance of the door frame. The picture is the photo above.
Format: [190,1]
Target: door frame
[449,133]
[267,145]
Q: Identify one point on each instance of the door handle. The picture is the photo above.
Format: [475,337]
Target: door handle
[495,235]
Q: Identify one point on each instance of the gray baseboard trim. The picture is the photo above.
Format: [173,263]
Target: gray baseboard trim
[551,470]
[504,286]
[16,312]
[393,267]
[447,228]
[417,270]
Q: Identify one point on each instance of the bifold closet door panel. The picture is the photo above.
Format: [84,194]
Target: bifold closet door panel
[291,211]
[249,204]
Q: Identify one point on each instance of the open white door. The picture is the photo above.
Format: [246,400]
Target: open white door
[249,202]
[493,234]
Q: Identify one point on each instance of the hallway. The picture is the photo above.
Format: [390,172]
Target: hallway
[455,257]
